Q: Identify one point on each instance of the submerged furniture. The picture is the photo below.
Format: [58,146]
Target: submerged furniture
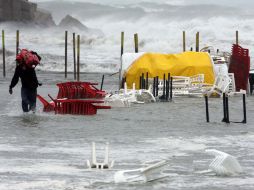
[76,98]
[125,97]
[224,164]
[79,90]
[142,175]
[94,164]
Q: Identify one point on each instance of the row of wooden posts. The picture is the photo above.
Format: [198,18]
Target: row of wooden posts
[76,58]
[136,47]
[184,42]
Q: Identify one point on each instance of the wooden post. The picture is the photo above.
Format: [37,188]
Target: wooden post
[184,43]
[236,36]
[197,42]
[78,57]
[136,42]
[121,64]
[65,60]
[74,57]
[3,48]
[17,42]
[122,42]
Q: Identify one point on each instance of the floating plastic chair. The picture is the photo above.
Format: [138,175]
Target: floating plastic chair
[100,165]
[224,164]
[142,175]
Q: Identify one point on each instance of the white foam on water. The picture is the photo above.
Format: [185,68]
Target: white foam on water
[160,30]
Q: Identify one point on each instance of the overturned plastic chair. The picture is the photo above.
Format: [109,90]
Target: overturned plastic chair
[220,86]
[100,165]
[224,164]
[142,175]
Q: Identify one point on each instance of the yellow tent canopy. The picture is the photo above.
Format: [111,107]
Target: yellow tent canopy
[182,64]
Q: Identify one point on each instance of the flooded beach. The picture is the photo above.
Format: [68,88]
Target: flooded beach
[48,151]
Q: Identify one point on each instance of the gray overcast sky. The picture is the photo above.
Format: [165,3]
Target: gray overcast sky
[218,2]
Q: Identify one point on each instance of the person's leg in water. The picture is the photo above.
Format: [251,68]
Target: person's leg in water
[32,95]
[25,100]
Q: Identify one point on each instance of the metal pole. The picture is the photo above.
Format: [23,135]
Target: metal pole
[244,110]
[143,78]
[3,48]
[227,110]
[171,88]
[207,109]
[140,82]
[168,90]
[102,81]
[74,57]
[78,57]
[146,80]
[224,108]
[65,60]
[154,82]
[164,87]
[237,37]
[157,86]
[121,64]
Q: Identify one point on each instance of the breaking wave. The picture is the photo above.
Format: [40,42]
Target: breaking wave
[159,26]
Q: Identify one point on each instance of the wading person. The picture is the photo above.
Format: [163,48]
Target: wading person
[25,70]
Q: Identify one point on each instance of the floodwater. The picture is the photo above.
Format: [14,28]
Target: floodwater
[47,151]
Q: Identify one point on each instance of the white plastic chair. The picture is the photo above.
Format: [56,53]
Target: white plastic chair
[220,86]
[149,173]
[224,164]
[231,87]
[100,165]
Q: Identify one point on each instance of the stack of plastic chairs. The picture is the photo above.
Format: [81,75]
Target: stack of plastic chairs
[76,90]
[76,98]
[240,66]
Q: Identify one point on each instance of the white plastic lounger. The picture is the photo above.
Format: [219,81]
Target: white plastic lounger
[141,175]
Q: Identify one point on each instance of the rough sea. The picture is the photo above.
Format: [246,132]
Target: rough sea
[48,151]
